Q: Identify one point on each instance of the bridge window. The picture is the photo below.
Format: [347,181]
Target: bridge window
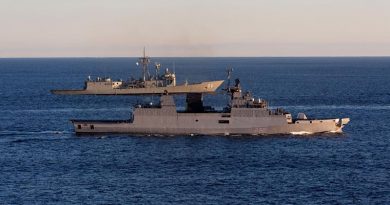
[78,126]
[223,121]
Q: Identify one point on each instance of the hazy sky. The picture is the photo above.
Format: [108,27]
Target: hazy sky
[66,28]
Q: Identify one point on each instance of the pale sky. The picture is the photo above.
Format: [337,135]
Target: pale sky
[120,28]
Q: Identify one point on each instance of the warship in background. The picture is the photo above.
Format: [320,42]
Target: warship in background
[148,84]
[244,115]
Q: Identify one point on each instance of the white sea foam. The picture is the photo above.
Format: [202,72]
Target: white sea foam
[67,110]
[334,107]
[15,132]
[301,133]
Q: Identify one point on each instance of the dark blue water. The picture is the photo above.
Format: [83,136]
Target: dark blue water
[43,162]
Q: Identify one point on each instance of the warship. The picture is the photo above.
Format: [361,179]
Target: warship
[243,115]
[148,84]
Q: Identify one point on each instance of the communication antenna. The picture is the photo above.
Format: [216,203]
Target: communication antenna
[229,71]
[144,61]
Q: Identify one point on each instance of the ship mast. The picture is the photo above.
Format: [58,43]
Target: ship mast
[228,89]
[229,71]
[144,61]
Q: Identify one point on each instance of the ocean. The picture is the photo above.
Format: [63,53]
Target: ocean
[42,161]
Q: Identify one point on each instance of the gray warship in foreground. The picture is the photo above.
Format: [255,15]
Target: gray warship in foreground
[242,116]
[148,84]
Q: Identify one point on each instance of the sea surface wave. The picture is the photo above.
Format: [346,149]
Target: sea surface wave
[44,162]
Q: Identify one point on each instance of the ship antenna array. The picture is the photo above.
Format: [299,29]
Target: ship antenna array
[144,61]
[229,71]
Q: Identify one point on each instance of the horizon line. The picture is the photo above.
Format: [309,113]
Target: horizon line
[314,56]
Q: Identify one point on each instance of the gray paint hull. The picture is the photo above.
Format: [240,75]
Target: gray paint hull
[187,124]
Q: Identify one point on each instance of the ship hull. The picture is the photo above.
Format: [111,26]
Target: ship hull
[180,126]
[204,87]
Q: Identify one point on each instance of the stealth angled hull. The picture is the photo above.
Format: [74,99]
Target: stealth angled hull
[165,120]
[179,126]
